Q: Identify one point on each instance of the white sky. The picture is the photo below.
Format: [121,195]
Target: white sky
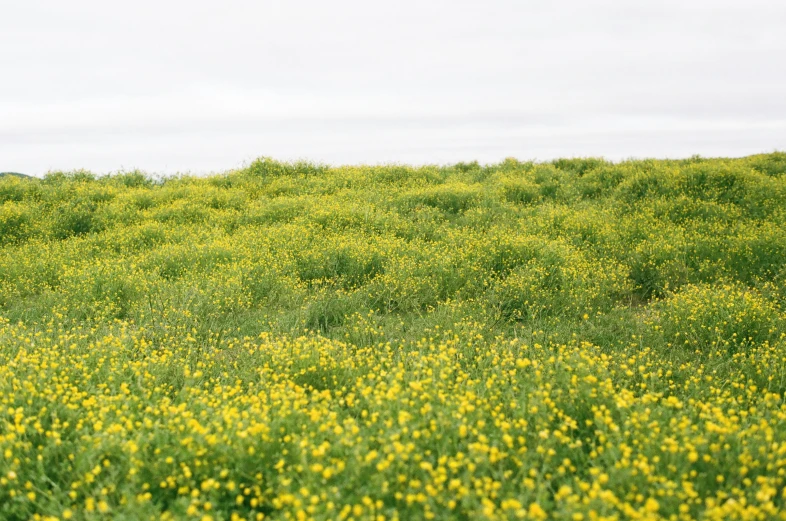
[203,86]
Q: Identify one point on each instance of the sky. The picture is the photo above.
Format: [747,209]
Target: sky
[204,86]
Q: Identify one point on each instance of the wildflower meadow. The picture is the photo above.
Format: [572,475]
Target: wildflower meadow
[571,340]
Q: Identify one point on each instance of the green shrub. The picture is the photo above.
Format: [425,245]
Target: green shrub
[347,267]
[451,198]
[550,181]
[13,189]
[721,318]
[329,309]
[579,166]
[602,180]
[266,167]
[181,212]
[75,219]
[650,184]
[521,191]
[657,268]
[16,222]
[466,167]
[773,165]
[557,282]
[133,179]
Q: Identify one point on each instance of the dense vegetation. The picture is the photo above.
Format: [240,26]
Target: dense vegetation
[573,340]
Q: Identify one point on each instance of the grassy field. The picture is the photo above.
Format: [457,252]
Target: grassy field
[575,340]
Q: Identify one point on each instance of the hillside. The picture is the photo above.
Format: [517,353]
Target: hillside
[577,339]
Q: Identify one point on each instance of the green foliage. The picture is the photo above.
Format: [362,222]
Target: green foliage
[558,282]
[577,339]
[770,164]
[15,222]
[520,191]
[722,318]
[266,167]
[75,218]
[450,198]
[580,166]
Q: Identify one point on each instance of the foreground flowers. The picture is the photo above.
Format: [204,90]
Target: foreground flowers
[317,428]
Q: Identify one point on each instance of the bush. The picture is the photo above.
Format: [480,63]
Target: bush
[451,198]
[133,179]
[656,268]
[557,282]
[521,191]
[718,318]
[12,189]
[328,310]
[182,212]
[467,167]
[550,181]
[773,165]
[579,166]
[266,167]
[347,267]
[16,223]
[75,219]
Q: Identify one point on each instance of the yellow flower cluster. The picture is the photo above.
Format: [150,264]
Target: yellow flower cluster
[314,428]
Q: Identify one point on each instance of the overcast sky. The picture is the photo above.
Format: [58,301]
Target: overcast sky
[198,86]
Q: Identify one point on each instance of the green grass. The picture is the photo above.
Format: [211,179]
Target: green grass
[574,340]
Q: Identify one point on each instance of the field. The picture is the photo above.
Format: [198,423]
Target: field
[573,340]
